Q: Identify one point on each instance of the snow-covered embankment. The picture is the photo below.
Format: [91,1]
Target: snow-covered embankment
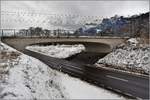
[58,51]
[24,77]
[131,56]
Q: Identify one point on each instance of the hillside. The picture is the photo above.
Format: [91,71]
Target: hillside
[134,26]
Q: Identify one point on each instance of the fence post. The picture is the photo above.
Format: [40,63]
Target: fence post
[14,32]
[26,33]
[2,33]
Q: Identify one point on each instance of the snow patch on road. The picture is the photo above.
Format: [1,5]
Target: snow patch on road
[130,56]
[58,51]
[28,78]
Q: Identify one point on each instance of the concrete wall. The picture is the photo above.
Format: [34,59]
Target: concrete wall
[103,45]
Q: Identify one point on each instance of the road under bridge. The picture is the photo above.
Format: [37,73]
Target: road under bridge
[121,82]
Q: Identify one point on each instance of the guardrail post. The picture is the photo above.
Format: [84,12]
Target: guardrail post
[14,33]
[2,32]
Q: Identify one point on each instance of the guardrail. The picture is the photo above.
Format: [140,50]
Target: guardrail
[15,33]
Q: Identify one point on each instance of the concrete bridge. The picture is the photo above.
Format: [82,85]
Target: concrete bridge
[92,44]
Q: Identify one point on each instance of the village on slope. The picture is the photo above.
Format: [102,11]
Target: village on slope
[24,77]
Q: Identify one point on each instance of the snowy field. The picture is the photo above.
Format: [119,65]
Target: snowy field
[24,77]
[131,56]
[58,51]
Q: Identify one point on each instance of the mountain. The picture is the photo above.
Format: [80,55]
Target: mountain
[119,26]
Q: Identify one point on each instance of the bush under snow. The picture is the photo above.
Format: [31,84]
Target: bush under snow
[130,56]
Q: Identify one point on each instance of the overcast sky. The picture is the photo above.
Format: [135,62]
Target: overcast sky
[99,9]
[94,8]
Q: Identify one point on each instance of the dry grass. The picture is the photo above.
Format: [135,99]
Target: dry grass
[6,56]
[3,72]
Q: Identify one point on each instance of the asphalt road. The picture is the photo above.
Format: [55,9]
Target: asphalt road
[121,82]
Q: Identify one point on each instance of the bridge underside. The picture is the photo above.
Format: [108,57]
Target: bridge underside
[99,45]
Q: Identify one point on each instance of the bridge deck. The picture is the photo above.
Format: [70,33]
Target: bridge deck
[99,44]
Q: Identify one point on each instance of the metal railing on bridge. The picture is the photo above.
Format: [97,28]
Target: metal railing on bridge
[49,33]
[28,33]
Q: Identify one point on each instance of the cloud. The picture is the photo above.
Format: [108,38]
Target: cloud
[82,8]
[99,8]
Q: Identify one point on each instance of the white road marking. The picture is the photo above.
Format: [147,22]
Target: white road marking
[117,78]
[117,90]
[139,98]
[109,87]
[129,94]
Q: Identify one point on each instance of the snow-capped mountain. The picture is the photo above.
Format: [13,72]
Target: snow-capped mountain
[119,25]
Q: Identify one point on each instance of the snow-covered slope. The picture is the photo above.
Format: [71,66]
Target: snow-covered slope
[131,56]
[24,77]
[58,51]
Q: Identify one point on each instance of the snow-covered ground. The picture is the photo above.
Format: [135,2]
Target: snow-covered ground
[131,56]
[58,51]
[24,77]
